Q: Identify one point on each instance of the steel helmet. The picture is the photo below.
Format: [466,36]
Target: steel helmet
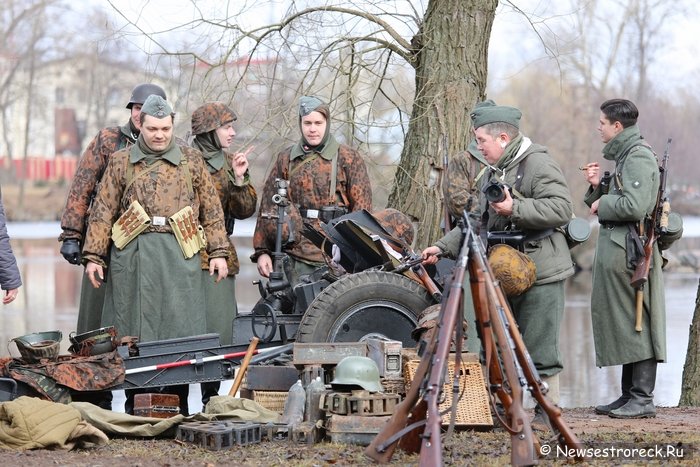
[515,270]
[211,116]
[142,91]
[357,371]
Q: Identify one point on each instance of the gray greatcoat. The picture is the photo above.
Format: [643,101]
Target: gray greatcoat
[9,272]
[631,198]
[543,202]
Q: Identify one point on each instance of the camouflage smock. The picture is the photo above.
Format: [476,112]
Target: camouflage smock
[309,189]
[90,168]
[238,202]
[162,192]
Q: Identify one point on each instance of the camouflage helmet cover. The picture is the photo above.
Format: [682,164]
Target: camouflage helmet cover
[515,270]
[141,92]
[211,116]
[398,224]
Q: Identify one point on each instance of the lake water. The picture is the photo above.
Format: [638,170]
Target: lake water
[48,301]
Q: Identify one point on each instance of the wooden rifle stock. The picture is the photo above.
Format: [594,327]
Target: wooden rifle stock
[659,221]
[523,442]
[503,317]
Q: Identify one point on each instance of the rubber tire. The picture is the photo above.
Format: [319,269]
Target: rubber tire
[341,300]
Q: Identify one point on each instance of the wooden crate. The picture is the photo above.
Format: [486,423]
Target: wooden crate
[473,408]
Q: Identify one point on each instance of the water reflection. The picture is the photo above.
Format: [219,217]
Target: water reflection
[48,301]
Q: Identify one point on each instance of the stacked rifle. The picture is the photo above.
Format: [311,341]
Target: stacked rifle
[417,422]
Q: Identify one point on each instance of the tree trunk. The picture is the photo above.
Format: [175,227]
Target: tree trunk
[690,386]
[451,50]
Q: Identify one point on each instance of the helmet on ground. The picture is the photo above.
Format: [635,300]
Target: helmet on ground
[515,270]
[357,371]
[141,92]
[211,116]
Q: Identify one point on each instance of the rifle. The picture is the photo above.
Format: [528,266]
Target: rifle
[515,361]
[427,379]
[658,224]
[510,368]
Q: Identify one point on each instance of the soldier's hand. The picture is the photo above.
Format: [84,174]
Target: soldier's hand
[95,274]
[218,265]
[70,249]
[431,255]
[264,265]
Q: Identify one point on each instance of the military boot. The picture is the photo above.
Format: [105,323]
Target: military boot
[626,385]
[541,422]
[641,403]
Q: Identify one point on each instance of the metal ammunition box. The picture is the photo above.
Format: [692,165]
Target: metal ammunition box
[329,353]
[387,355]
[354,429]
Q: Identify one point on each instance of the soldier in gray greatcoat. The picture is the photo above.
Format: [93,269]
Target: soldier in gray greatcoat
[629,201]
[540,203]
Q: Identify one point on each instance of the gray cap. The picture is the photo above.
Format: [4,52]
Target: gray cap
[156,106]
[308,104]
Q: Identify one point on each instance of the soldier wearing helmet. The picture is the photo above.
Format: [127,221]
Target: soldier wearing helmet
[536,205]
[82,191]
[326,180]
[213,132]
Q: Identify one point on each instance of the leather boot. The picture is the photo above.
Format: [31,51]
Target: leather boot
[641,403]
[626,385]
[209,390]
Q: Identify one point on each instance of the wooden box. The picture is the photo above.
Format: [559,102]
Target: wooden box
[156,405]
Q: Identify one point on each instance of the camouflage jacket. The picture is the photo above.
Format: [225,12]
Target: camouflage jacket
[162,192]
[238,202]
[83,188]
[309,188]
[461,184]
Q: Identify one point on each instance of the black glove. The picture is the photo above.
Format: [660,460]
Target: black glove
[71,250]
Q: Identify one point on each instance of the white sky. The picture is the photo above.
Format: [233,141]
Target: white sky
[676,63]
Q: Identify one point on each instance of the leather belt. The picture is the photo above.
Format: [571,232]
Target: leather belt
[613,224]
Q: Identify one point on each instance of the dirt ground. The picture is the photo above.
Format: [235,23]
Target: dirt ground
[673,431]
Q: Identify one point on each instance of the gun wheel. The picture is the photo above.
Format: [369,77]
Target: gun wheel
[362,305]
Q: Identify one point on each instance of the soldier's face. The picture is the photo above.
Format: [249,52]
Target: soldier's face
[608,130]
[135,114]
[492,147]
[226,134]
[157,132]
[313,127]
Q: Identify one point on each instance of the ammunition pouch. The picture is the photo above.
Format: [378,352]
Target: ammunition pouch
[129,225]
[189,234]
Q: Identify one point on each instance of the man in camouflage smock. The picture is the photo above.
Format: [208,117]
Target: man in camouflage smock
[310,166]
[154,293]
[83,188]
[212,128]
[82,191]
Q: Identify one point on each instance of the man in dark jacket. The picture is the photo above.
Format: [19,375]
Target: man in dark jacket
[10,280]
[626,204]
[537,204]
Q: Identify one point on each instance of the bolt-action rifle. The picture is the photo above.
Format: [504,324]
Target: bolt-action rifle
[658,224]
[510,370]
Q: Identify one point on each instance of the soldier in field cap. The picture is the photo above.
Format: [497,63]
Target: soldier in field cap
[326,180]
[156,289]
[537,203]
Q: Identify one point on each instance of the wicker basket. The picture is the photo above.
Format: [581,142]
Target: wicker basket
[473,407]
[271,400]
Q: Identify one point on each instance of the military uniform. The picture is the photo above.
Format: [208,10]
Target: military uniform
[154,293]
[309,189]
[237,201]
[631,198]
[82,190]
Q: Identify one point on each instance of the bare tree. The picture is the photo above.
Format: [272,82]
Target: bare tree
[355,54]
